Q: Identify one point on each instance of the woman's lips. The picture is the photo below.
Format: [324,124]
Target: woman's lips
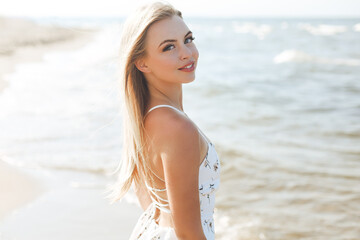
[188,68]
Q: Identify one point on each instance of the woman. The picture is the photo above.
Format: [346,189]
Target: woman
[173,166]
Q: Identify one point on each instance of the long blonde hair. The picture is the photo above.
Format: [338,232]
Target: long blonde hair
[135,95]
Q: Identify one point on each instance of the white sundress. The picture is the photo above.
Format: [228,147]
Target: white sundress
[146,227]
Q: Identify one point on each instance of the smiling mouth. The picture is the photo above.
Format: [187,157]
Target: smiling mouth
[188,67]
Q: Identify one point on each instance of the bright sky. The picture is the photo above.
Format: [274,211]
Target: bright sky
[222,8]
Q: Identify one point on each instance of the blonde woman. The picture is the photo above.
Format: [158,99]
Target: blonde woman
[172,165]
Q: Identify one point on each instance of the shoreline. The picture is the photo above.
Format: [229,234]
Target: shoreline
[22,41]
[40,202]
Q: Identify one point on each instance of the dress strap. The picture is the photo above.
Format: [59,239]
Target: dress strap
[161,206]
[165,105]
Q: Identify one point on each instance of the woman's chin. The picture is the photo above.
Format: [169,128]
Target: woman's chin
[189,78]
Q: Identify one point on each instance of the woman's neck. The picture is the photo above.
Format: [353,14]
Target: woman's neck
[170,94]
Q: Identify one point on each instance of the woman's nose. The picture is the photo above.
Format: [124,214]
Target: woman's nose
[185,52]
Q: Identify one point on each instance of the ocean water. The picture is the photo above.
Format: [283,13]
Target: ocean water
[280,98]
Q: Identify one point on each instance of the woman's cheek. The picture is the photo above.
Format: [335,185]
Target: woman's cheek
[169,64]
[158,64]
[164,67]
[195,53]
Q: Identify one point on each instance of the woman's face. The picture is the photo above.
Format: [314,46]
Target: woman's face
[171,55]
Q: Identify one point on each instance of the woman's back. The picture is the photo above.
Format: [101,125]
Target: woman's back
[208,179]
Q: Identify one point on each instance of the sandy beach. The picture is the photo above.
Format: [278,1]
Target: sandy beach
[16,188]
[52,204]
[72,206]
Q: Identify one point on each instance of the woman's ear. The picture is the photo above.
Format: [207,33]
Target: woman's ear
[141,66]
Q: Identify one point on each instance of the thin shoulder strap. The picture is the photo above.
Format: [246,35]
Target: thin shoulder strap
[164,105]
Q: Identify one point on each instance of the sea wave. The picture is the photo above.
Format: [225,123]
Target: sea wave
[259,30]
[293,55]
[323,29]
[245,227]
[357,27]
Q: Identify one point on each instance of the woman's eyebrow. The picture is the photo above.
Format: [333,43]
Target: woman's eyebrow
[173,40]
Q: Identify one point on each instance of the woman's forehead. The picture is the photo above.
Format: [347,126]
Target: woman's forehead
[169,28]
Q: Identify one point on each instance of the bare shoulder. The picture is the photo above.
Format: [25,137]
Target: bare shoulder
[171,132]
[177,141]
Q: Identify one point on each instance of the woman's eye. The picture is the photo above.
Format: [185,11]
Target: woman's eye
[172,46]
[168,47]
[189,39]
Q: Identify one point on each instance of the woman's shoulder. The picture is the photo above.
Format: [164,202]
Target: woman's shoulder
[167,127]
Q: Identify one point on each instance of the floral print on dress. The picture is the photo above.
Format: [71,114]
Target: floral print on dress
[209,179]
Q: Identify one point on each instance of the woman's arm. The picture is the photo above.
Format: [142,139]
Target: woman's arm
[178,142]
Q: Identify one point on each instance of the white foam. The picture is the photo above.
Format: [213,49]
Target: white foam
[258,30]
[241,227]
[356,27]
[293,55]
[323,29]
